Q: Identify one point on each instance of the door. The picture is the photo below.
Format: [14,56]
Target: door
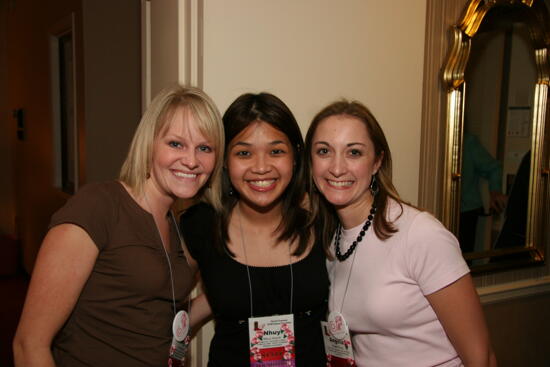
[45,97]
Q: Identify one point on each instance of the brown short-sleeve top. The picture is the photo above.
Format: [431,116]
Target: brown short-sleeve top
[124,314]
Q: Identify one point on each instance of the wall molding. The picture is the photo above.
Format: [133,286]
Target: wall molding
[440,16]
[145,54]
[191,42]
[190,31]
[509,291]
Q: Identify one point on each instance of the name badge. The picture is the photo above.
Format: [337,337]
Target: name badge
[337,341]
[180,340]
[272,341]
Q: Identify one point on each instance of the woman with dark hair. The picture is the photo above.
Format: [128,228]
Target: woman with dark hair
[401,292]
[265,278]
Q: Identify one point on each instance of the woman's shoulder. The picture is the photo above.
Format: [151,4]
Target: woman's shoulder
[94,208]
[106,193]
[95,196]
[399,213]
[420,229]
[99,188]
[404,215]
[431,252]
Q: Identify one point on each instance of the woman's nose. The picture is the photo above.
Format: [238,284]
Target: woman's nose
[337,166]
[261,164]
[189,159]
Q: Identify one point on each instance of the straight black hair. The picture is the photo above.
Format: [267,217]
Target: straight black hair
[296,221]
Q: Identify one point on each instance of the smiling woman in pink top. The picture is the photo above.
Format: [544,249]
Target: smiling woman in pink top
[398,279]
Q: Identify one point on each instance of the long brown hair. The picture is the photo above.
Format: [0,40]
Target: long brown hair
[323,212]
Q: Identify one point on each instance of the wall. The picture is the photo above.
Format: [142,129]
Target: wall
[7,127]
[111,101]
[32,26]
[112,67]
[519,331]
[164,44]
[312,52]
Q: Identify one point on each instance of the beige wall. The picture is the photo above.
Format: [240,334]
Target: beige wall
[312,52]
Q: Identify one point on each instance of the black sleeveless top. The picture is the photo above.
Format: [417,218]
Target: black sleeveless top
[227,288]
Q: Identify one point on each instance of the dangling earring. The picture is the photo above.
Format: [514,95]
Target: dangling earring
[230,191]
[373,187]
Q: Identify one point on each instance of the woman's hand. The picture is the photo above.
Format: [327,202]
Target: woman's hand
[64,263]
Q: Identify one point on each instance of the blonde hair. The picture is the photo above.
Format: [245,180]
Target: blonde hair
[136,167]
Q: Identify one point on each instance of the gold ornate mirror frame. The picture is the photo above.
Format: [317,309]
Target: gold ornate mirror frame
[538,229]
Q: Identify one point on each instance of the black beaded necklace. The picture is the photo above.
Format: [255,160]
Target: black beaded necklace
[366,226]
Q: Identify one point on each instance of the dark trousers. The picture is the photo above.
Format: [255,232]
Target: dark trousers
[467,229]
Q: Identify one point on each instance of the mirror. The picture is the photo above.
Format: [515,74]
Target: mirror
[496,169]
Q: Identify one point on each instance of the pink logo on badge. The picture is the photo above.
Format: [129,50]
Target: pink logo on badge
[180,326]
[336,325]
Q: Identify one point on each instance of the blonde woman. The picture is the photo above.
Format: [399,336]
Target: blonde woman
[111,274]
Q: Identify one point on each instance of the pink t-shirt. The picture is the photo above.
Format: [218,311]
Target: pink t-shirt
[389,317]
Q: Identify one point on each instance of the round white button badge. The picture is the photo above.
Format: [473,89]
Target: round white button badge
[180,326]
[337,325]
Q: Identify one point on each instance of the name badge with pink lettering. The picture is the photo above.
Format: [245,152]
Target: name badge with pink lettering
[180,340]
[272,341]
[337,341]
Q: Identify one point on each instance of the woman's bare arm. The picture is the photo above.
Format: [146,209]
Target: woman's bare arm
[64,263]
[458,308]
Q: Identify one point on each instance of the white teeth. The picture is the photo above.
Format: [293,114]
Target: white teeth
[185,175]
[340,183]
[262,183]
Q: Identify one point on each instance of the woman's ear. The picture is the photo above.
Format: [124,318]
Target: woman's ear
[378,163]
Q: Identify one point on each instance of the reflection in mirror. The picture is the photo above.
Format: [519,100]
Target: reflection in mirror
[500,78]
[495,176]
